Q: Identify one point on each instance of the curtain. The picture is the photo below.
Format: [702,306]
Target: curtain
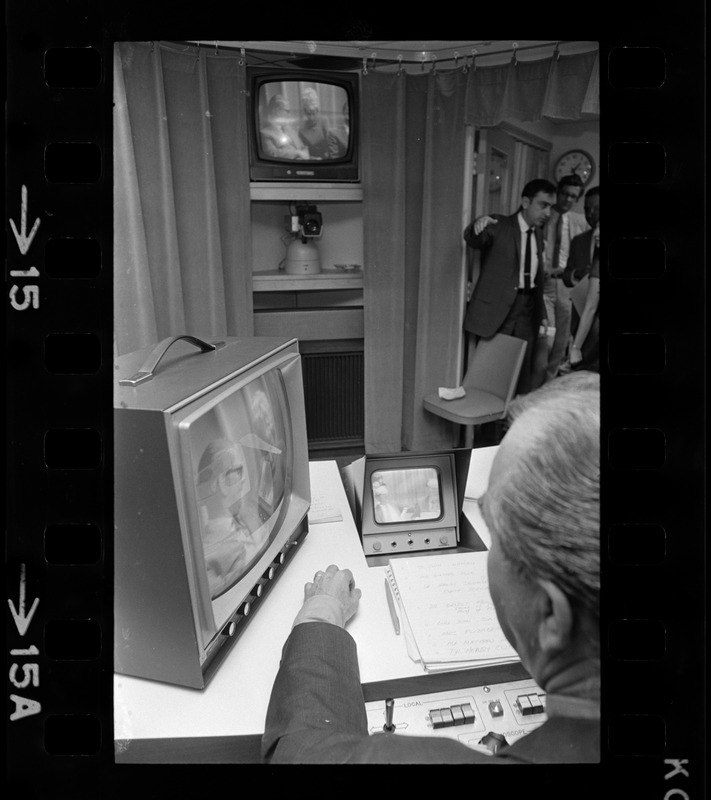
[414,275]
[559,87]
[182,241]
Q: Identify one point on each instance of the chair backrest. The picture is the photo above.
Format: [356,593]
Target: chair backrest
[496,365]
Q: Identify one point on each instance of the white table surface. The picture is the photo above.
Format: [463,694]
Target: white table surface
[235,702]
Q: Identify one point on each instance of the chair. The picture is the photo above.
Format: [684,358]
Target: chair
[490,382]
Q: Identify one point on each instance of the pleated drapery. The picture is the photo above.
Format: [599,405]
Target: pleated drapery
[182,241]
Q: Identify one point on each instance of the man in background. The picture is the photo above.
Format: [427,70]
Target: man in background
[583,246]
[508,296]
[562,227]
[542,509]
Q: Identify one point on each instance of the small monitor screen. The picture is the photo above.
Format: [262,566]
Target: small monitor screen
[406,494]
[239,451]
[303,121]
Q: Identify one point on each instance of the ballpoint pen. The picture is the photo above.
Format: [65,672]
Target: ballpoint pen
[391,606]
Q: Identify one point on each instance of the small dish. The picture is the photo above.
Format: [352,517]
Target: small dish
[347,267]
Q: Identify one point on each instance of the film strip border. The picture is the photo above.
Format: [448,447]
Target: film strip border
[59,346]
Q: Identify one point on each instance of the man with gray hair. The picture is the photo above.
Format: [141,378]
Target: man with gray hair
[542,508]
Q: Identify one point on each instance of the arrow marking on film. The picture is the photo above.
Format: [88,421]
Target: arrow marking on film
[23,240]
[22,620]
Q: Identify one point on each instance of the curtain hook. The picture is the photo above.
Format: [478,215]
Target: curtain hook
[365,65]
[399,65]
[241,60]
[556,52]
[433,71]
[456,59]
[475,52]
[373,56]
[217,50]
[514,60]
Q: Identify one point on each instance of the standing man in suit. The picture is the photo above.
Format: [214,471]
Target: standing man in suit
[543,515]
[508,297]
[564,224]
[582,248]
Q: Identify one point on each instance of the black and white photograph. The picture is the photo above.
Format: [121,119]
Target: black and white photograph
[323,450]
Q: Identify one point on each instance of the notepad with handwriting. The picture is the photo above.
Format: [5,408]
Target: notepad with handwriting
[447,611]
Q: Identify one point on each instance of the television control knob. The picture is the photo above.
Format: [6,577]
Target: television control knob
[377,546]
[444,539]
[245,608]
[230,628]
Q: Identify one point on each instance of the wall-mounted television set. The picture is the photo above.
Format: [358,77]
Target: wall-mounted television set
[410,502]
[303,125]
[211,497]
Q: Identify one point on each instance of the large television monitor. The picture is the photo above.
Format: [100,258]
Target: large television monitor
[303,125]
[211,497]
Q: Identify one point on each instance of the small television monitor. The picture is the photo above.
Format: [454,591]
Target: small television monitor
[303,125]
[411,502]
[211,495]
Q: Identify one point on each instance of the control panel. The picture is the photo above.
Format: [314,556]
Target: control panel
[484,718]
[402,541]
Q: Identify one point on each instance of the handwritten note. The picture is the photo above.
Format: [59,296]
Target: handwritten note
[323,511]
[449,609]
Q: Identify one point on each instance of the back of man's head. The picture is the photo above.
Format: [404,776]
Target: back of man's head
[546,513]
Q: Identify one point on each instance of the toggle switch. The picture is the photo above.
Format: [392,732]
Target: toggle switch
[389,709]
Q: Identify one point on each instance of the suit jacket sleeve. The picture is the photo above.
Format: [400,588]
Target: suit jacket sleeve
[316,712]
[578,263]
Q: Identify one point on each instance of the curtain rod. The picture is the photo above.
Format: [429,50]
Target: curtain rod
[374,61]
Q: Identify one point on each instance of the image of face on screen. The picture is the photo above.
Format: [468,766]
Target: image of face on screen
[239,451]
[304,120]
[406,494]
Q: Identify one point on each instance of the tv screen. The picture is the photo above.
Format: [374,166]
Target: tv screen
[406,494]
[239,452]
[304,126]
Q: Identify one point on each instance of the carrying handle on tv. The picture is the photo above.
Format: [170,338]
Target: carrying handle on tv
[145,373]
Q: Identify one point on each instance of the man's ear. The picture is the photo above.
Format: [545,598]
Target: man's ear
[555,626]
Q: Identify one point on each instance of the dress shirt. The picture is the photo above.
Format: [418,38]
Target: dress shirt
[559,224]
[321,608]
[534,252]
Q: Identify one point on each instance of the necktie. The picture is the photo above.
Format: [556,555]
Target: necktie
[527,261]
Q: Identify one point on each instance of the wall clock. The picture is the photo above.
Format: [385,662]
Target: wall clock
[576,162]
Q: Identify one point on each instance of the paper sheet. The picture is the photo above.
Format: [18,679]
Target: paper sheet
[448,611]
[323,511]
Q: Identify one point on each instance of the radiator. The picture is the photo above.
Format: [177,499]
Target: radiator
[333,390]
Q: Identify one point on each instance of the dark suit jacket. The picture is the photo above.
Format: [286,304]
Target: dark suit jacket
[578,265]
[495,291]
[317,715]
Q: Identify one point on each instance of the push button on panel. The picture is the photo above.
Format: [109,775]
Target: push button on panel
[452,715]
[530,704]
[495,708]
